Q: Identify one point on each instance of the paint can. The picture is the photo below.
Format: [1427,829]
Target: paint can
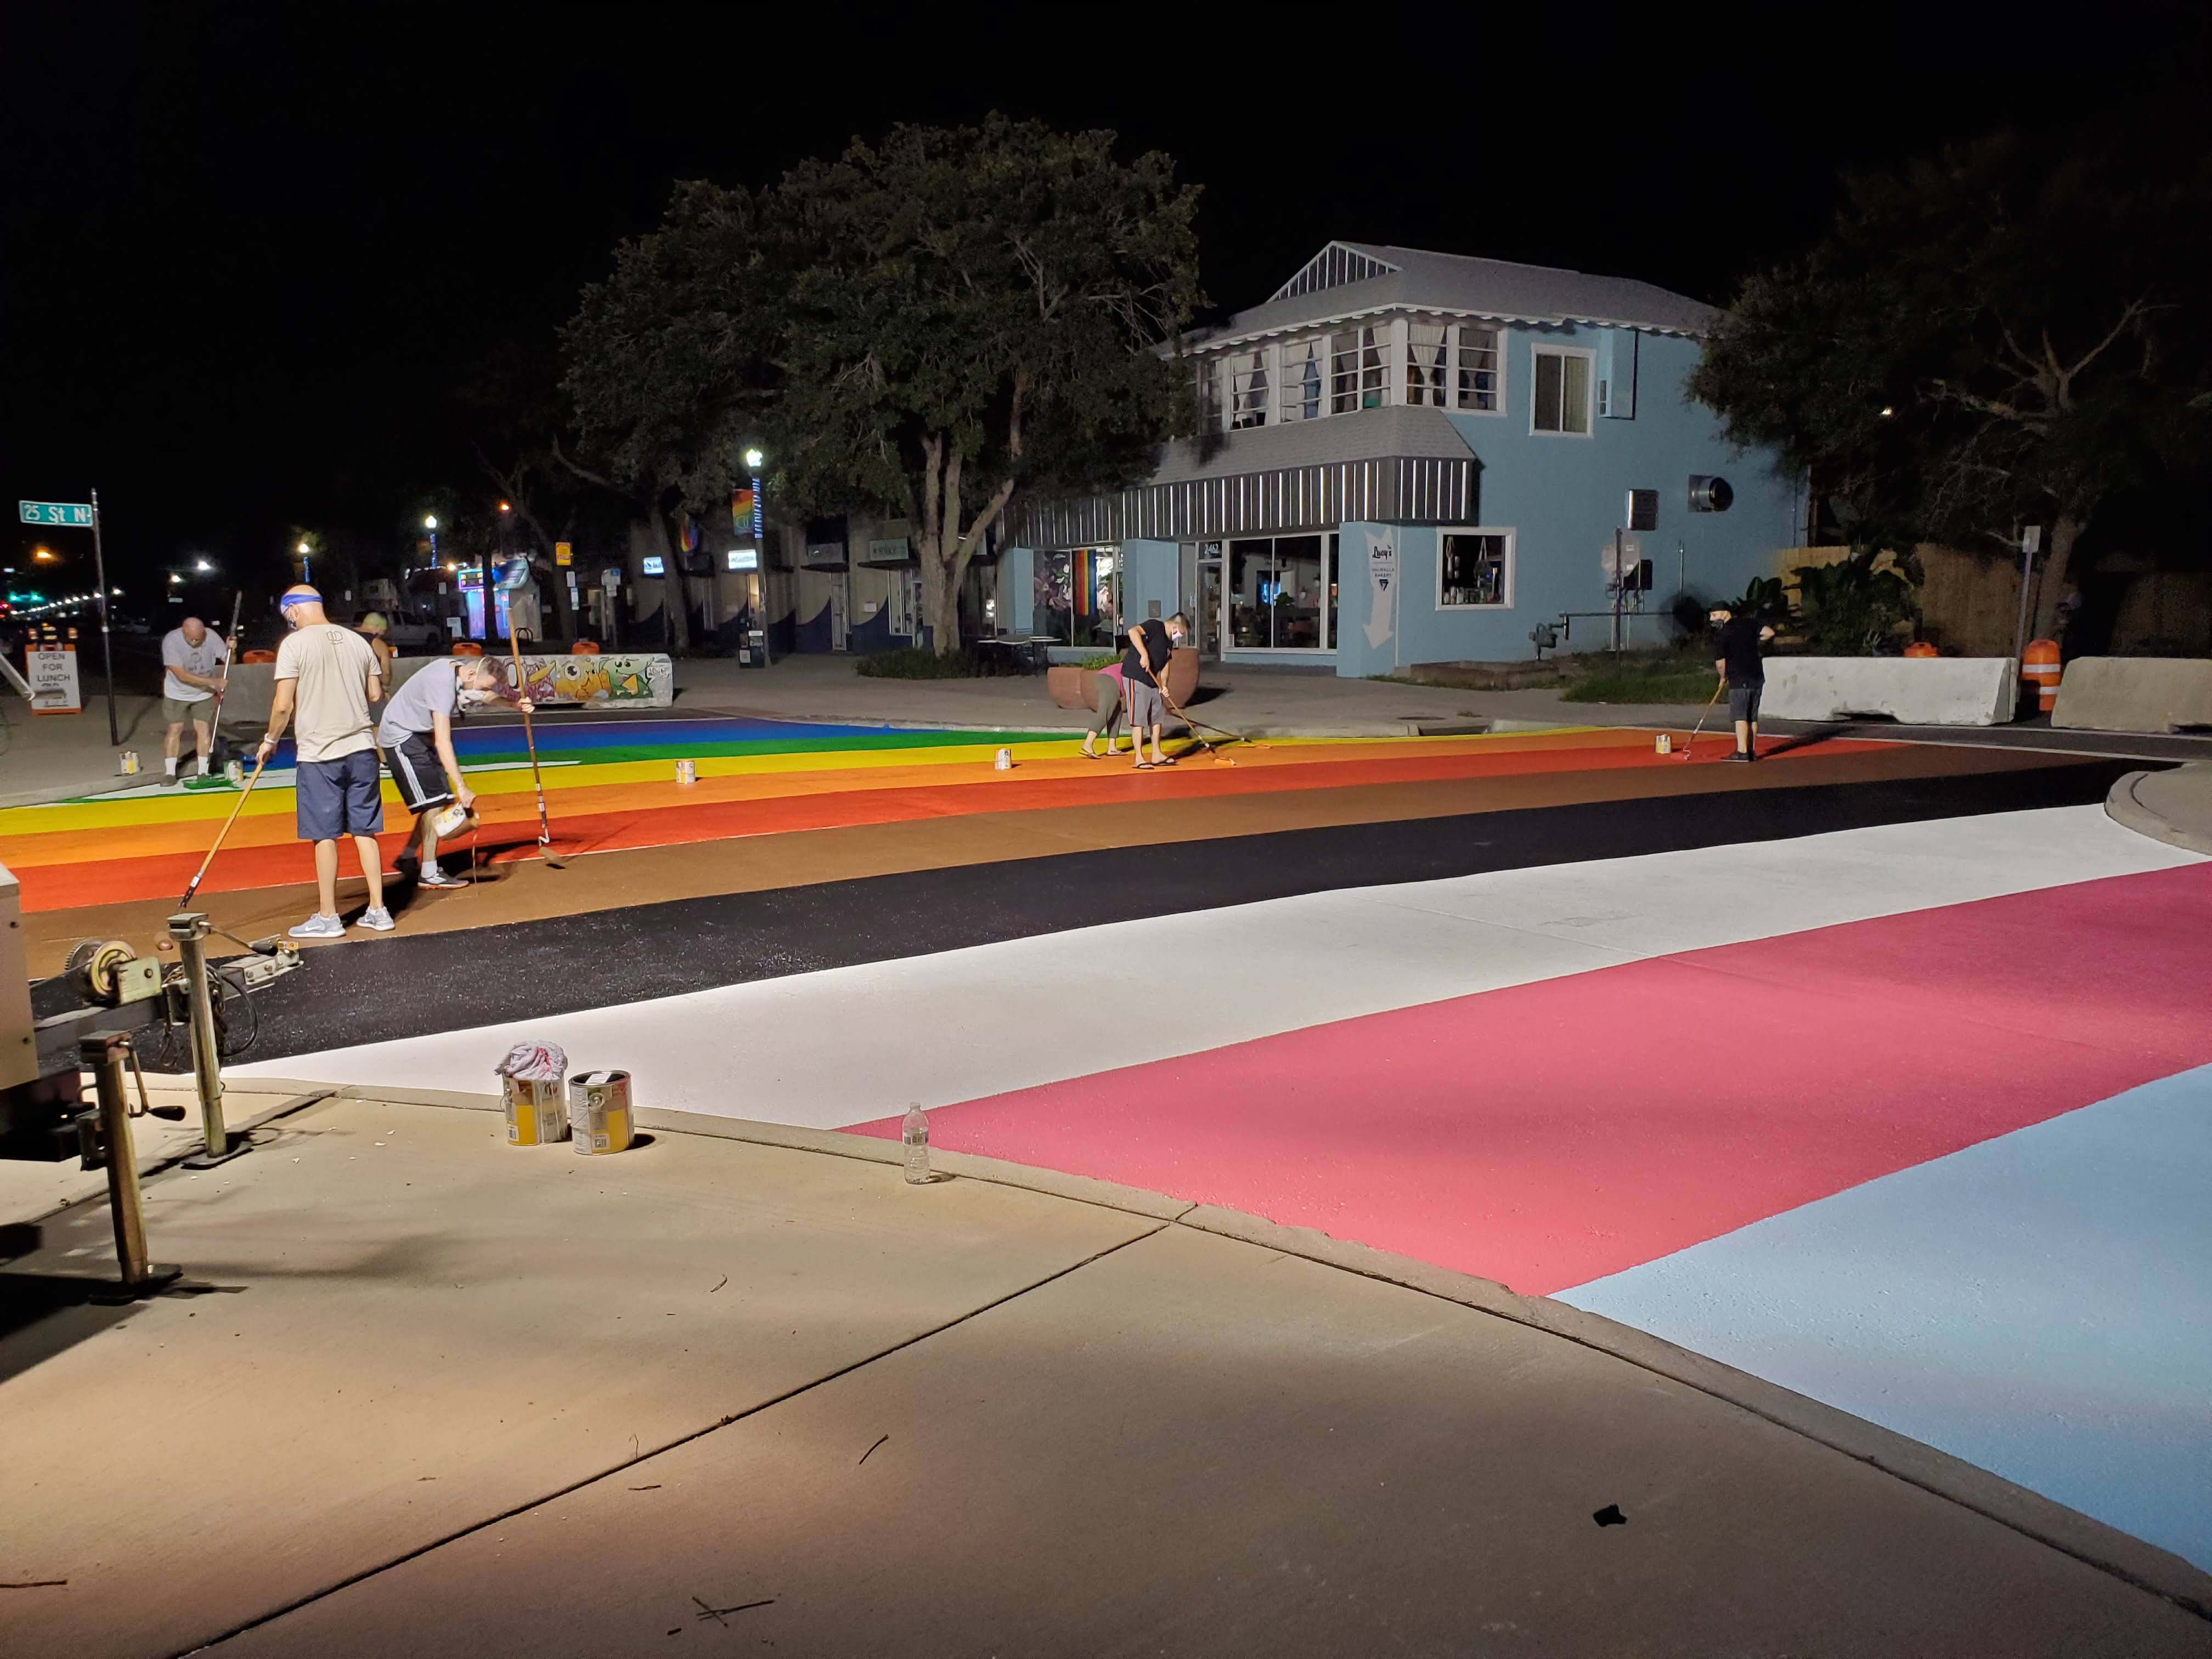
[235,771]
[534,1115]
[1005,763]
[599,1111]
[452,821]
[687,771]
[1665,745]
[130,763]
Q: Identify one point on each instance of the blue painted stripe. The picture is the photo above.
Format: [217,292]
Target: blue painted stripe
[2039,1305]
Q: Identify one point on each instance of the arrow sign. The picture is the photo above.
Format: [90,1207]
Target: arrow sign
[76,514]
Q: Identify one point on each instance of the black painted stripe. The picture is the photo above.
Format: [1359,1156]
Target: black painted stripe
[411,986]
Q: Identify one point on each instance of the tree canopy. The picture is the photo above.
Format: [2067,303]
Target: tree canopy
[924,327]
[2015,334]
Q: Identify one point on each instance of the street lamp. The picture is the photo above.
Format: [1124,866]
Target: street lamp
[43,555]
[203,566]
[753,460]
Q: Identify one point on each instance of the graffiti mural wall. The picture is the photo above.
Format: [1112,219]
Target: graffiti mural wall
[612,680]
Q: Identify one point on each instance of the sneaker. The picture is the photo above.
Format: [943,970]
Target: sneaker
[320,926]
[378,920]
[433,877]
[1740,757]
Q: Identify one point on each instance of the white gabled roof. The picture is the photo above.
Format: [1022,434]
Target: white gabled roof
[1353,279]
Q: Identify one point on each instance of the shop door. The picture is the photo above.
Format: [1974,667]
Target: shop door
[837,591]
[1209,619]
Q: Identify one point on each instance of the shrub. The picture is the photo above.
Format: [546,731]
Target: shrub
[913,663]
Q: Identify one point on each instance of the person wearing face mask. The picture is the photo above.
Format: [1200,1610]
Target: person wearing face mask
[326,680]
[417,735]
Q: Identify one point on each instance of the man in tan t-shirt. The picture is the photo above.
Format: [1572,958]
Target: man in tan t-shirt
[326,677]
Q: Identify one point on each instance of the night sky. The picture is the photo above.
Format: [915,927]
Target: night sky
[250,251]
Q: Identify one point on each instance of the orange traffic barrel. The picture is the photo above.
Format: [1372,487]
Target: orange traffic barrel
[1920,648]
[467,648]
[584,648]
[2039,665]
[257,656]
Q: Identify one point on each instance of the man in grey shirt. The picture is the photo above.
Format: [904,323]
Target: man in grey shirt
[191,653]
[417,733]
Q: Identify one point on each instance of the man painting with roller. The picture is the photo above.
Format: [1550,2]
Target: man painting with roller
[417,735]
[326,677]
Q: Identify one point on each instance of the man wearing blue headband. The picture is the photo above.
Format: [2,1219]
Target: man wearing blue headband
[326,677]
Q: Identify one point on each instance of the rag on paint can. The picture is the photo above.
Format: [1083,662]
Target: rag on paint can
[599,1111]
[531,1078]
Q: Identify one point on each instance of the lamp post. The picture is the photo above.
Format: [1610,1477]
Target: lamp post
[305,553]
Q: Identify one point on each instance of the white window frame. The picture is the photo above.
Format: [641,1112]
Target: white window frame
[1501,351]
[1296,346]
[1512,562]
[1455,336]
[1538,348]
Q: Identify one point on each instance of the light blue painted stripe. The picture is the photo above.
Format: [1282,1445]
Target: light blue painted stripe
[2039,1305]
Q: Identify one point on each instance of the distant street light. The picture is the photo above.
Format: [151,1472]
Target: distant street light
[43,555]
[203,566]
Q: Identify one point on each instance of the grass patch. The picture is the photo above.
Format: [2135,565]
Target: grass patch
[1670,679]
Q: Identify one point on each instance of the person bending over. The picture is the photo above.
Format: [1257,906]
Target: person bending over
[417,735]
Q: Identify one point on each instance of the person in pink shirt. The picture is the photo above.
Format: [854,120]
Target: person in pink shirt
[1105,708]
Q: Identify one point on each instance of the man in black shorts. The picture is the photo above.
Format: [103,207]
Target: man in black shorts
[1737,639]
[416,734]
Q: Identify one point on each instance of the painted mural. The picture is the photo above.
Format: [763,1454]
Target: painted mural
[610,680]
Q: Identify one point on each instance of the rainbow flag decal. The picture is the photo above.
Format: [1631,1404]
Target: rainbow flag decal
[741,511]
[687,532]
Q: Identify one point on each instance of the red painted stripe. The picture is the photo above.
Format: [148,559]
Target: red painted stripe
[1548,1134]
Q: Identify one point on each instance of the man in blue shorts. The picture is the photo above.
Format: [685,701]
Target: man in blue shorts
[326,677]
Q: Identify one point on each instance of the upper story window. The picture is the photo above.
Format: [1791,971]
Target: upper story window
[1360,375]
[1248,389]
[1452,366]
[1302,395]
[1560,398]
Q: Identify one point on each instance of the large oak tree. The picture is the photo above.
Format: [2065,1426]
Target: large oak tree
[926,327]
[2013,335]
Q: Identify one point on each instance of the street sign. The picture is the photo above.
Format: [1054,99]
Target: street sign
[564,554]
[76,514]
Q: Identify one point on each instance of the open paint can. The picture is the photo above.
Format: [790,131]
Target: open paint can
[1665,745]
[534,1114]
[130,763]
[599,1111]
[1005,761]
[687,771]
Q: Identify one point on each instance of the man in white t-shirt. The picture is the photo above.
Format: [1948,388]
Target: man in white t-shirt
[192,655]
[326,678]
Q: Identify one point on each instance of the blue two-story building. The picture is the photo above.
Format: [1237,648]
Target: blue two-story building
[1408,457]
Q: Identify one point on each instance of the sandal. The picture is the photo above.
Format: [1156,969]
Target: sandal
[1165,760]
[1144,766]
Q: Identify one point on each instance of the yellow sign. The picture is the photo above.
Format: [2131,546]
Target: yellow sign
[564,553]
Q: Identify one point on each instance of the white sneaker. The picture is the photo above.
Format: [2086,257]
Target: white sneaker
[320,926]
[378,920]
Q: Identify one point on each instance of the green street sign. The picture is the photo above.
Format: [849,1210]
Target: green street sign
[76,515]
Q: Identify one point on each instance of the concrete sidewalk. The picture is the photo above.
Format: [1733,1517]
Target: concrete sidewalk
[435,1395]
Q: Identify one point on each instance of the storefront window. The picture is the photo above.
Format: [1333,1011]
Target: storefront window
[1281,593]
[1078,595]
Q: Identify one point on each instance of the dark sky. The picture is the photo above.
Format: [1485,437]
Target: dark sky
[249,249]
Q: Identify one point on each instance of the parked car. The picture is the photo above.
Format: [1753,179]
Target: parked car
[413,630]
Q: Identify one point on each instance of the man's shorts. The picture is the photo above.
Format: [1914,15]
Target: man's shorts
[340,797]
[1146,708]
[419,772]
[1743,703]
[175,711]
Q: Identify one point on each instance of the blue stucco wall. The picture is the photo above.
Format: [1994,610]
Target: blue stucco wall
[1562,496]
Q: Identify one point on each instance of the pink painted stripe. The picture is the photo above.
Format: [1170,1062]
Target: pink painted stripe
[1550,1134]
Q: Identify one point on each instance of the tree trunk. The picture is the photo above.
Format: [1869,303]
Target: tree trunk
[940,598]
[2057,571]
[675,595]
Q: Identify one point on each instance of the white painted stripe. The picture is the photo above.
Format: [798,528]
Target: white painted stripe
[851,1044]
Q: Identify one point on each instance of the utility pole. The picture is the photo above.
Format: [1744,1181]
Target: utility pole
[106,646]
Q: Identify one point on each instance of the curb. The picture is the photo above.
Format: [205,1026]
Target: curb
[2125,806]
[2147,1567]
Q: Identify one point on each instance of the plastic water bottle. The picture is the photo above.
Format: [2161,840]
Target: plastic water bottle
[913,1135]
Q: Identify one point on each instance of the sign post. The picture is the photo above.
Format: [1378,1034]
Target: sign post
[85,515]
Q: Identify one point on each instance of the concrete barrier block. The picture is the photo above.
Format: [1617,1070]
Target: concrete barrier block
[613,680]
[1913,690]
[2135,693]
